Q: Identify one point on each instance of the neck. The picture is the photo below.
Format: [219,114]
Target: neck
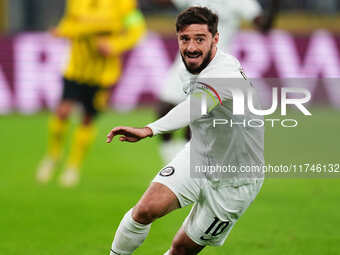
[213,53]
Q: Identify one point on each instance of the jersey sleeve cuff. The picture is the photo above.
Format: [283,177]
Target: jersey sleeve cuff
[155,131]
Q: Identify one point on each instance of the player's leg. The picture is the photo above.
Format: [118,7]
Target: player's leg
[57,128]
[83,138]
[171,188]
[183,245]
[93,100]
[213,216]
[157,201]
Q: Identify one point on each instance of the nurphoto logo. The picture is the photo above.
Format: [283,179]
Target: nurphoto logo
[243,103]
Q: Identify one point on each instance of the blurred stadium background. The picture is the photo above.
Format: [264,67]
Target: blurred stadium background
[291,215]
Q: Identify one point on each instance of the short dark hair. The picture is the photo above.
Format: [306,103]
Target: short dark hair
[197,15]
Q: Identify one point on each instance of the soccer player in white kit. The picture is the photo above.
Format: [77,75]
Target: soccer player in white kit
[230,13]
[218,201]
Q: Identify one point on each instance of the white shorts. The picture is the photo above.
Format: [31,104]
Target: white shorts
[215,210]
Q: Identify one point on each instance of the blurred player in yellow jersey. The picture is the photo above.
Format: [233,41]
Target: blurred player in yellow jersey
[99,32]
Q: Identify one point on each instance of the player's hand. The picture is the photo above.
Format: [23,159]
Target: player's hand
[54,31]
[129,134]
[104,48]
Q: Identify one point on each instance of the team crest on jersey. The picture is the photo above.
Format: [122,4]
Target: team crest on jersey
[167,171]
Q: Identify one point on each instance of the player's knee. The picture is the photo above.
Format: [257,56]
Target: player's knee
[63,111]
[178,248]
[88,119]
[183,245]
[145,213]
[62,115]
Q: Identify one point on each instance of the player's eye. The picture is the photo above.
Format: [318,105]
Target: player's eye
[200,40]
[184,38]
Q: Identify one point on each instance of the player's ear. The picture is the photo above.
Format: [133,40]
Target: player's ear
[216,37]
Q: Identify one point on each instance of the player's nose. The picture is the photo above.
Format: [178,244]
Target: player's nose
[192,46]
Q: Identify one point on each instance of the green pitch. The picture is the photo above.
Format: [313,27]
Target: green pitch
[290,216]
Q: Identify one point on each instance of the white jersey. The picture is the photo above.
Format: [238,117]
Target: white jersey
[230,13]
[219,198]
[218,145]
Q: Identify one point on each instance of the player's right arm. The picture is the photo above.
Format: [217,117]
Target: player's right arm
[184,113]
[179,117]
[129,134]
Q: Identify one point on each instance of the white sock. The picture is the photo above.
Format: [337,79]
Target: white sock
[129,235]
[167,253]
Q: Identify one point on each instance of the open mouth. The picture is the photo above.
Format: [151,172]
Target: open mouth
[193,54]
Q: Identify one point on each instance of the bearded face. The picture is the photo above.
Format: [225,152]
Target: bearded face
[197,47]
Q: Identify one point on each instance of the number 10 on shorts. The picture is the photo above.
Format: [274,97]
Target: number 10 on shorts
[216,228]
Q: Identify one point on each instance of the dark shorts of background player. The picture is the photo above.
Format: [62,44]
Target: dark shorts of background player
[91,97]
